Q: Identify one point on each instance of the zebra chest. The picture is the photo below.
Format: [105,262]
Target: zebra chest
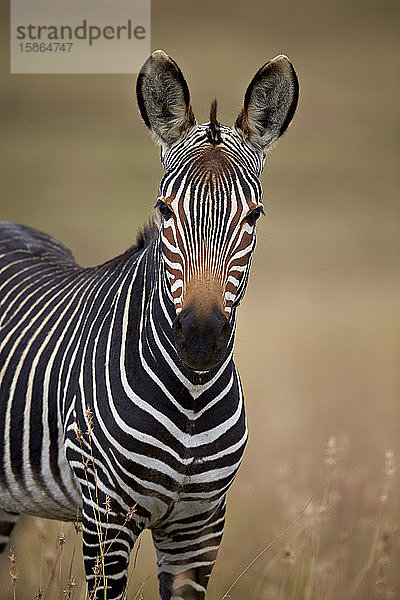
[160,453]
[187,466]
[213,460]
[213,450]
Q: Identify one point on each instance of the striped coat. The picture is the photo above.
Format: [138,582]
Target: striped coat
[120,403]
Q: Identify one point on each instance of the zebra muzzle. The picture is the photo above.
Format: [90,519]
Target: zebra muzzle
[201,340]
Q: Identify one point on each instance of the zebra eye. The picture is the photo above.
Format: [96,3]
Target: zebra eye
[164,209]
[254,214]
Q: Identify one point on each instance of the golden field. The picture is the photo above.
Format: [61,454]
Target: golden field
[318,337]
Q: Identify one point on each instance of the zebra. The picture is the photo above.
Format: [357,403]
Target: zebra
[120,402]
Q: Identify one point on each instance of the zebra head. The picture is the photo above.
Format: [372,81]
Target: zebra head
[210,196]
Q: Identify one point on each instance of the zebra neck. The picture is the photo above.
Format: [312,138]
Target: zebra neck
[149,335]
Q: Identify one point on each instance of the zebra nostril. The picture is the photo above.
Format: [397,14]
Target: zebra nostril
[226,330]
[177,325]
[219,324]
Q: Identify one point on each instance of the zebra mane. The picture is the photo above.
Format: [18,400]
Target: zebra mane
[145,236]
[214,130]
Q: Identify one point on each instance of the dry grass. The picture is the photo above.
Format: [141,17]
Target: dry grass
[317,343]
[343,545]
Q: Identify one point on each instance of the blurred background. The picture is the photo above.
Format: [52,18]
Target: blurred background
[318,338]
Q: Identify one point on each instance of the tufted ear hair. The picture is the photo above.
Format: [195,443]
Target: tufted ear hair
[269,103]
[163,98]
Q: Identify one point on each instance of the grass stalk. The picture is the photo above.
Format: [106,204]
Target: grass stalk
[274,541]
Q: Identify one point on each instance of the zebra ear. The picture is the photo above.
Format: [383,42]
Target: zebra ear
[269,103]
[163,98]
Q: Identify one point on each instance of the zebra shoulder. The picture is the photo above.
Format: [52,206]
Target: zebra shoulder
[15,237]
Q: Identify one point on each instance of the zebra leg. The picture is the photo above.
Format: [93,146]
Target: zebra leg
[187,549]
[108,539]
[7,522]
